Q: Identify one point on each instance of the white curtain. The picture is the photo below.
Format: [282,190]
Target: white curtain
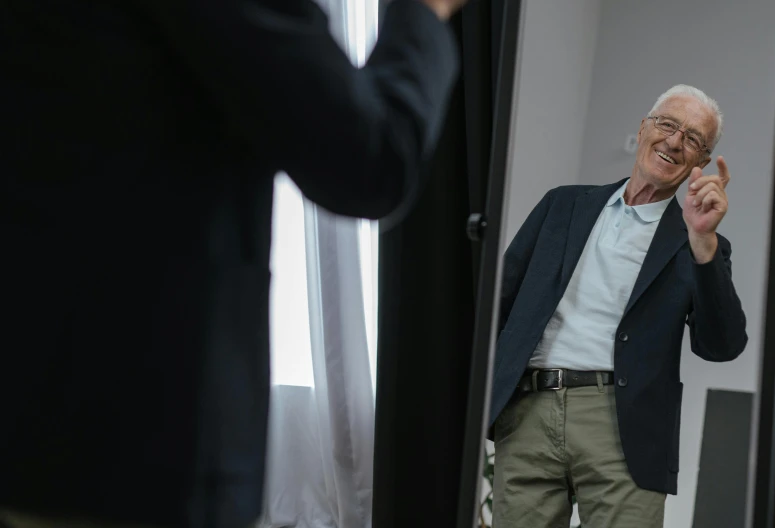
[323,343]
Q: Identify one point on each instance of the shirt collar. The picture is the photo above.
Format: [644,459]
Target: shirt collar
[650,212]
[618,195]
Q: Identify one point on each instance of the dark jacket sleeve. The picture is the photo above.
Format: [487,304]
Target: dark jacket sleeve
[518,255]
[352,139]
[717,322]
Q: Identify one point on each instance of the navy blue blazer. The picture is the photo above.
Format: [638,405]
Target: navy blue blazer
[671,291]
[138,144]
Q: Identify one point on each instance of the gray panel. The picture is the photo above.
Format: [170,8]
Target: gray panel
[723,476]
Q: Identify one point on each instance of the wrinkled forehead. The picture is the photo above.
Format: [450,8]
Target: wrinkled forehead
[691,114]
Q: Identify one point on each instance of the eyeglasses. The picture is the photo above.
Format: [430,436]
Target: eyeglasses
[668,127]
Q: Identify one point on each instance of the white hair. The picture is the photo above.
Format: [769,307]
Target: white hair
[691,91]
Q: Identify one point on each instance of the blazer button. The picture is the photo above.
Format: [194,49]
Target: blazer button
[622,382]
[623,336]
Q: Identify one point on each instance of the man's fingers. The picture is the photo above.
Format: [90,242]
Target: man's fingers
[712,200]
[723,170]
[707,189]
[701,182]
[697,180]
[695,175]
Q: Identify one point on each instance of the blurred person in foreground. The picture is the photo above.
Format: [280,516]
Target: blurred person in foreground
[140,141]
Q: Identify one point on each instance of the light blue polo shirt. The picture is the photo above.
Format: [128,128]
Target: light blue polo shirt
[581,333]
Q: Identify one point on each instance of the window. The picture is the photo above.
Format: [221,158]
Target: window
[289,305]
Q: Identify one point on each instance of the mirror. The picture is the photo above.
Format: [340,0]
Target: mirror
[601,277]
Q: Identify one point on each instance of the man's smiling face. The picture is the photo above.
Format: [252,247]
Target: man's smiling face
[662,161]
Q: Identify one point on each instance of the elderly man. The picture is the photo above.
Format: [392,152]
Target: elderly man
[597,286]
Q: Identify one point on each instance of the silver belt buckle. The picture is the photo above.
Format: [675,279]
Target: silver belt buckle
[559,379]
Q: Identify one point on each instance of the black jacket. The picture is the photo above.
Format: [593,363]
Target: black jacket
[671,291]
[139,144]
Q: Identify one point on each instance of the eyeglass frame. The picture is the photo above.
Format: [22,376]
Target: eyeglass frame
[683,132]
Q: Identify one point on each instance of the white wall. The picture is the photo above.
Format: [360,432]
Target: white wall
[728,50]
[553,94]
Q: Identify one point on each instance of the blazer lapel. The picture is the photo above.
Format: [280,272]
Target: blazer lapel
[669,237]
[586,210]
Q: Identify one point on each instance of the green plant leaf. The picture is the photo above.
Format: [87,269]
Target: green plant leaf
[489,473]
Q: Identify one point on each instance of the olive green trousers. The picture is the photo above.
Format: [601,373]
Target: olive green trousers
[553,445]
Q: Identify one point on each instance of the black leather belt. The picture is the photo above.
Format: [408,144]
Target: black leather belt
[556,379]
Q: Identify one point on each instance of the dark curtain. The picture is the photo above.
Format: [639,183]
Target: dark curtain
[428,270]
